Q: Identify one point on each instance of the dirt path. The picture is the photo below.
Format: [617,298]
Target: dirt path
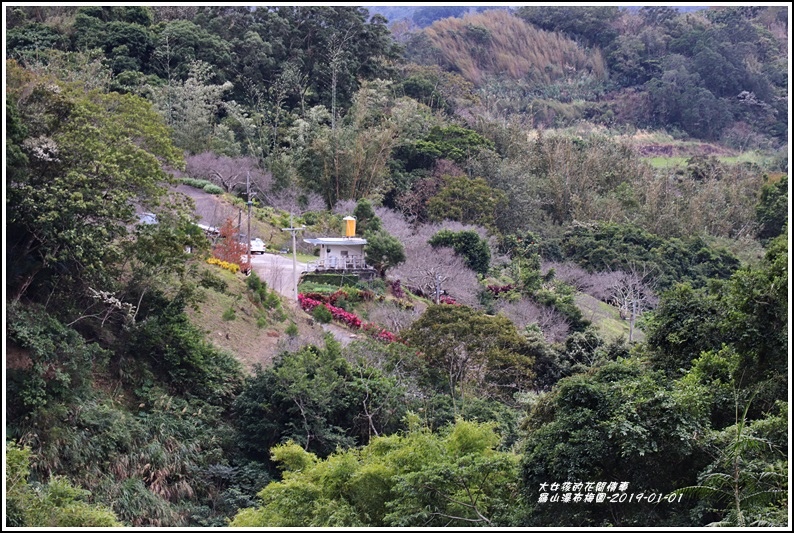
[210,209]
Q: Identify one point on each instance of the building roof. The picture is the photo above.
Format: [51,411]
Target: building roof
[336,241]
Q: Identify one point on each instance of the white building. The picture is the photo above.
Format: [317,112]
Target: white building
[341,253]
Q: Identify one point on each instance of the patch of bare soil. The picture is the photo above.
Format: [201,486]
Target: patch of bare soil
[17,358]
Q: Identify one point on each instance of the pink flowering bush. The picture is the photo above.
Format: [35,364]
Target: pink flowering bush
[308,303]
[351,295]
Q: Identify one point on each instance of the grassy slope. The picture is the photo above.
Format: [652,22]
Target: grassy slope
[606,318]
[249,342]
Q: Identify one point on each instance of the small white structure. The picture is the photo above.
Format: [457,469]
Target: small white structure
[340,253]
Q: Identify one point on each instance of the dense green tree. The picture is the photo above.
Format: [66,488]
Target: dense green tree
[619,422]
[467,200]
[91,157]
[366,219]
[34,37]
[467,244]
[771,213]
[316,398]
[605,246]
[472,354]
[451,478]
[629,61]
[89,31]
[591,24]
[747,313]
[685,324]
[335,46]
[179,43]
[383,251]
[756,305]
[130,45]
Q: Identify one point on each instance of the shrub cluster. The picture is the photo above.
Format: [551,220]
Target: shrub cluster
[449,300]
[206,186]
[496,290]
[347,294]
[312,305]
[397,290]
[231,267]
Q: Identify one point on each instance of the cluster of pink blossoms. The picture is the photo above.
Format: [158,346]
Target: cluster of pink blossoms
[351,320]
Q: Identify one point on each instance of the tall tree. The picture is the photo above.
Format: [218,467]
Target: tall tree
[92,159]
[190,108]
[470,351]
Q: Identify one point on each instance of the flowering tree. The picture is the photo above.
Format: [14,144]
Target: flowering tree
[229,247]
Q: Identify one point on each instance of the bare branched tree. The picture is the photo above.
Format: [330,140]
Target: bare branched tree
[393,317]
[600,284]
[570,273]
[632,291]
[229,173]
[524,312]
[394,223]
[294,201]
[437,271]
[344,207]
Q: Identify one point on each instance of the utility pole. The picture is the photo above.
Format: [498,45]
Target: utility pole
[292,229]
[248,198]
[631,322]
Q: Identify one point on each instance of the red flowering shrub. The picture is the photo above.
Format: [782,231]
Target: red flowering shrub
[228,248]
[449,300]
[322,298]
[308,303]
[350,294]
[499,289]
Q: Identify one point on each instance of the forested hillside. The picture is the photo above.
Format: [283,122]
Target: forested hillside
[577,219]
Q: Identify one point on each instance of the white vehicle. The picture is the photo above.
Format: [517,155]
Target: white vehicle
[257,246]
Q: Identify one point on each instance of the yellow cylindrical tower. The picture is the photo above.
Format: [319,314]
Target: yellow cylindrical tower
[350,226]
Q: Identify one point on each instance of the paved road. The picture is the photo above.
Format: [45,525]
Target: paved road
[277,271]
[274,269]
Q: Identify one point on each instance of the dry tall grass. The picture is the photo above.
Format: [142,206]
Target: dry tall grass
[498,43]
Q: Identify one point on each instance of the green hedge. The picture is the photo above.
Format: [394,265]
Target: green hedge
[336,280]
